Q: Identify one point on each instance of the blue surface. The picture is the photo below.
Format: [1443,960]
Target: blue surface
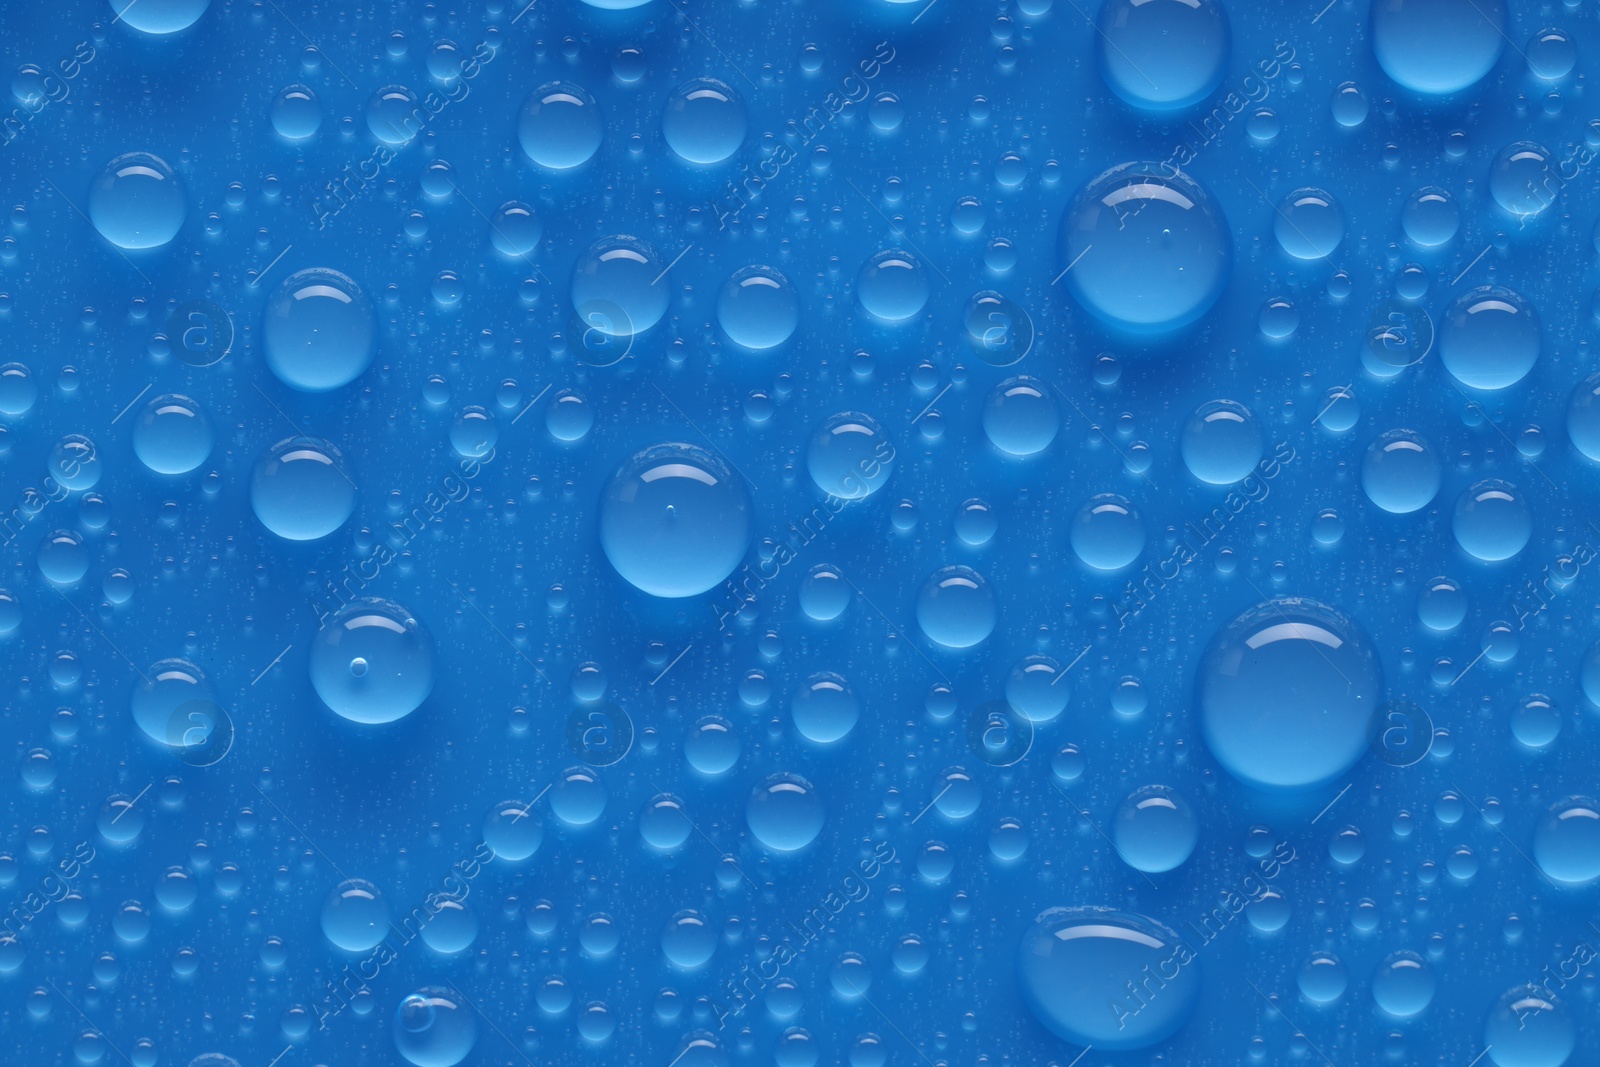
[837,533]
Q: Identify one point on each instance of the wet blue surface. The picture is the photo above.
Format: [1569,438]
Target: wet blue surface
[841,533]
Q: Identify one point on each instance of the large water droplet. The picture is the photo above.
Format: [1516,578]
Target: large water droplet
[319,331]
[372,662]
[137,201]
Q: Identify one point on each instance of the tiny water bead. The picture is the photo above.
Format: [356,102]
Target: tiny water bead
[159,16]
[1309,224]
[1438,47]
[1566,841]
[1021,416]
[137,202]
[434,1028]
[1528,1027]
[825,708]
[704,121]
[893,286]
[295,113]
[785,812]
[319,331]
[956,607]
[1145,248]
[515,229]
[1401,472]
[1155,829]
[355,916]
[1430,217]
[1490,338]
[514,830]
[1288,692]
[674,522]
[172,435]
[758,308]
[372,662]
[1108,533]
[850,456]
[1163,56]
[1492,521]
[1222,442]
[1075,963]
[620,286]
[561,126]
[301,489]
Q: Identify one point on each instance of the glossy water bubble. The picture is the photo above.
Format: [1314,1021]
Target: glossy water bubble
[850,456]
[319,331]
[1536,721]
[1222,442]
[704,121]
[1403,984]
[689,940]
[172,435]
[758,308]
[1441,605]
[1583,417]
[372,662]
[18,389]
[1021,416]
[75,463]
[1438,46]
[473,432]
[63,559]
[893,285]
[663,823]
[514,830]
[1163,56]
[515,229]
[451,928]
[825,708]
[394,115]
[1162,253]
[137,201]
[1108,532]
[1288,692]
[712,746]
[824,593]
[301,489]
[561,126]
[1322,978]
[674,520]
[355,916]
[1492,521]
[1552,54]
[295,113]
[1349,105]
[1566,841]
[1074,963]
[1309,224]
[975,523]
[434,1028]
[1527,1027]
[1155,829]
[620,286]
[1430,217]
[1036,690]
[999,331]
[1521,179]
[1401,472]
[579,797]
[1490,338]
[956,607]
[159,16]
[785,812]
[168,696]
